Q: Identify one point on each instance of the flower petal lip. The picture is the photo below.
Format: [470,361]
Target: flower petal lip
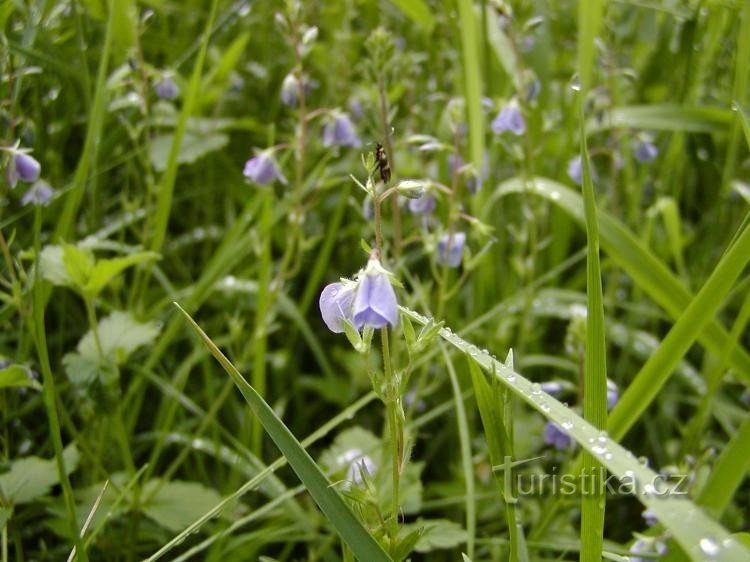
[38,194]
[510,119]
[336,304]
[375,301]
[340,132]
[262,169]
[27,167]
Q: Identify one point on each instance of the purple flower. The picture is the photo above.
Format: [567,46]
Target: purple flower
[509,119]
[38,194]
[262,169]
[368,208]
[423,205]
[533,89]
[356,462]
[166,88]
[647,545]
[649,517]
[554,388]
[645,152]
[557,437]
[575,170]
[375,302]
[613,394]
[289,90]
[336,305]
[451,248]
[339,131]
[22,167]
[455,163]
[355,108]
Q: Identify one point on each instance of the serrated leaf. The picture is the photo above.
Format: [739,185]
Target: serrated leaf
[17,376]
[120,335]
[192,149]
[106,269]
[32,477]
[176,504]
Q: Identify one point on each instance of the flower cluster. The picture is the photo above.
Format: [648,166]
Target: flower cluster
[369,301]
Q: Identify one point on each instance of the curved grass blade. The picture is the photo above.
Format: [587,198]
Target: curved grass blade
[700,536]
[362,544]
[647,271]
[663,118]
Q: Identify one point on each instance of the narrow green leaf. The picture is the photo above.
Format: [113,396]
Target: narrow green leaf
[626,251]
[418,11]
[17,376]
[663,118]
[691,527]
[472,79]
[364,546]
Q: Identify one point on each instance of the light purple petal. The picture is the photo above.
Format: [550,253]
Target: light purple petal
[262,169]
[340,132]
[423,205]
[509,119]
[375,302]
[450,248]
[27,168]
[336,305]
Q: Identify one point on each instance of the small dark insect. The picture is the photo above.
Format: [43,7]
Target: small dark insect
[381,163]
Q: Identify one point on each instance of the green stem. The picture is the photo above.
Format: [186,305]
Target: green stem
[49,393]
[395,431]
[5,542]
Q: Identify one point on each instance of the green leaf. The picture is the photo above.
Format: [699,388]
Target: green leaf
[472,75]
[17,376]
[106,269]
[418,11]
[504,50]
[120,335]
[690,526]
[52,266]
[193,148]
[32,477]
[176,504]
[340,515]
[5,514]
[438,534]
[78,264]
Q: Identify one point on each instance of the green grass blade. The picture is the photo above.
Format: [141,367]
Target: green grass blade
[595,368]
[466,457]
[364,546]
[685,331]
[626,251]
[166,185]
[663,118]
[695,531]
[472,79]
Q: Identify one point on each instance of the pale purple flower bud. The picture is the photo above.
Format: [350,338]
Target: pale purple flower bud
[533,89]
[575,169]
[649,546]
[336,305]
[339,131]
[613,394]
[645,152]
[455,163]
[39,194]
[451,248]
[509,119]
[262,169]
[557,437]
[553,388]
[368,208]
[423,205]
[22,167]
[289,90]
[356,462]
[649,517]
[166,88]
[375,302]
[355,108]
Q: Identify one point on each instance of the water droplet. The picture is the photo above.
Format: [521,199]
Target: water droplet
[545,408]
[648,489]
[598,450]
[608,456]
[536,388]
[567,424]
[709,547]
[554,195]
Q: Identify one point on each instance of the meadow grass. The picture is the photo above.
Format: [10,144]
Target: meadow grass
[259,260]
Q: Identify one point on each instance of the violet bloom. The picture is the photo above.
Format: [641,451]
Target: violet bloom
[645,152]
[368,208]
[262,169]
[289,90]
[39,194]
[652,547]
[356,462]
[613,394]
[339,131]
[375,302]
[22,167]
[553,388]
[575,169]
[166,88]
[455,163]
[509,119]
[557,437]
[451,248]
[336,305]
[424,205]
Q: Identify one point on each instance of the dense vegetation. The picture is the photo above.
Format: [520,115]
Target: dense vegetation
[468,252]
